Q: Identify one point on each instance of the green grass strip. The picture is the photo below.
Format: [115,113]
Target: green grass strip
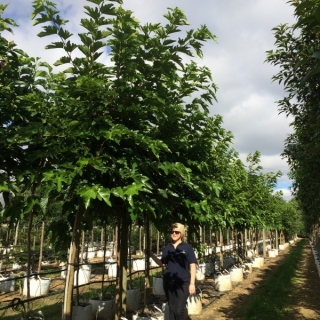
[274,297]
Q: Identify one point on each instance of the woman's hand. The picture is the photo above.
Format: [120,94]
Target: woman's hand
[192,289]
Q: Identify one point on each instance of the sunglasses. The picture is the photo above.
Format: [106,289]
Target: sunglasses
[175,232]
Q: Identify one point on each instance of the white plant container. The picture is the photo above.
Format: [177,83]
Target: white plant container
[153,263]
[16,266]
[103,309]
[218,249]
[84,275]
[84,255]
[82,312]
[250,253]
[112,270]
[208,269]
[272,253]
[63,273]
[133,299]
[100,253]
[281,247]
[138,264]
[257,262]
[38,286]
[236,275]
[157,286]
[91,254]
[194,304]
[223,283]
[248,267]
[7,284]
[201,271]
[108,253]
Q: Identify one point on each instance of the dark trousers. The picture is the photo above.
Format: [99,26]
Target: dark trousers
[177,295]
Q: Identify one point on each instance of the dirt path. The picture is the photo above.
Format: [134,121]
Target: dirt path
[307,291]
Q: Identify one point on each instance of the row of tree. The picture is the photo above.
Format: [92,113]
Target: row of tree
[297,56]
[124,141]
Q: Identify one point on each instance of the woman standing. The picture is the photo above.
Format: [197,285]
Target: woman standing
[179,261]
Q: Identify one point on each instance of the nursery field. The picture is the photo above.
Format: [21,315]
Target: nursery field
[285,288]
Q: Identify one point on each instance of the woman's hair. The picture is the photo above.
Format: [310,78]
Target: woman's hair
[180,228]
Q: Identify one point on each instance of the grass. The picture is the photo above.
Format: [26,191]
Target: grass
[274,298]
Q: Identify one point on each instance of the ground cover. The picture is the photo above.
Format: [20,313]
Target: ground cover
[286,287]
[292,279]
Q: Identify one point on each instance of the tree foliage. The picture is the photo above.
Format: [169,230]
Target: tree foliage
[297,56]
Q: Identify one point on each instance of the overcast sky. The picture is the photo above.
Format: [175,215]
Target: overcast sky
[246,95]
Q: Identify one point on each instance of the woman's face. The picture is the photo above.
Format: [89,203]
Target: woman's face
[175,234]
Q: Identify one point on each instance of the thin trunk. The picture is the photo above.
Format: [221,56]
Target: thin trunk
[74,245]
[221,251]
[140,247]
[264,242]
[92,239]
[16,234]
[103,236]
[122,252]
[34,239]
[41,247]
[81,253]
[147,271]
[158,241]
[29,260]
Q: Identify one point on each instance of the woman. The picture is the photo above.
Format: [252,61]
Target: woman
[179,261]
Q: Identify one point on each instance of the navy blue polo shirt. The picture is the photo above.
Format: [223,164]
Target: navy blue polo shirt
[177,261]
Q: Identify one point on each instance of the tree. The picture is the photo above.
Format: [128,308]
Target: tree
[131,154]
[297,56]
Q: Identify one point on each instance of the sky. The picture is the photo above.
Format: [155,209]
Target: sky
[246,95]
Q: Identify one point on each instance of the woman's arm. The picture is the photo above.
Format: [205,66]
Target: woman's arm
[154,258]
[192,286]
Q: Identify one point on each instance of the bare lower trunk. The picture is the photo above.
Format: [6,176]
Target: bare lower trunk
[147,271]
[41,247]
[68,293]
[122,252]
[16,234]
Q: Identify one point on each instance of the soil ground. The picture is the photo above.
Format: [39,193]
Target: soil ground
[307,292]
[226,306]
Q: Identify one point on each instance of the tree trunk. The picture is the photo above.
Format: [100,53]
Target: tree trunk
[158,241]
[264,242]
[16,234]
[122,252]
[221,251]
[102,234]
[74,245]
[41,247]
[29,260]
[140,240]
[81,253]
[147,271]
